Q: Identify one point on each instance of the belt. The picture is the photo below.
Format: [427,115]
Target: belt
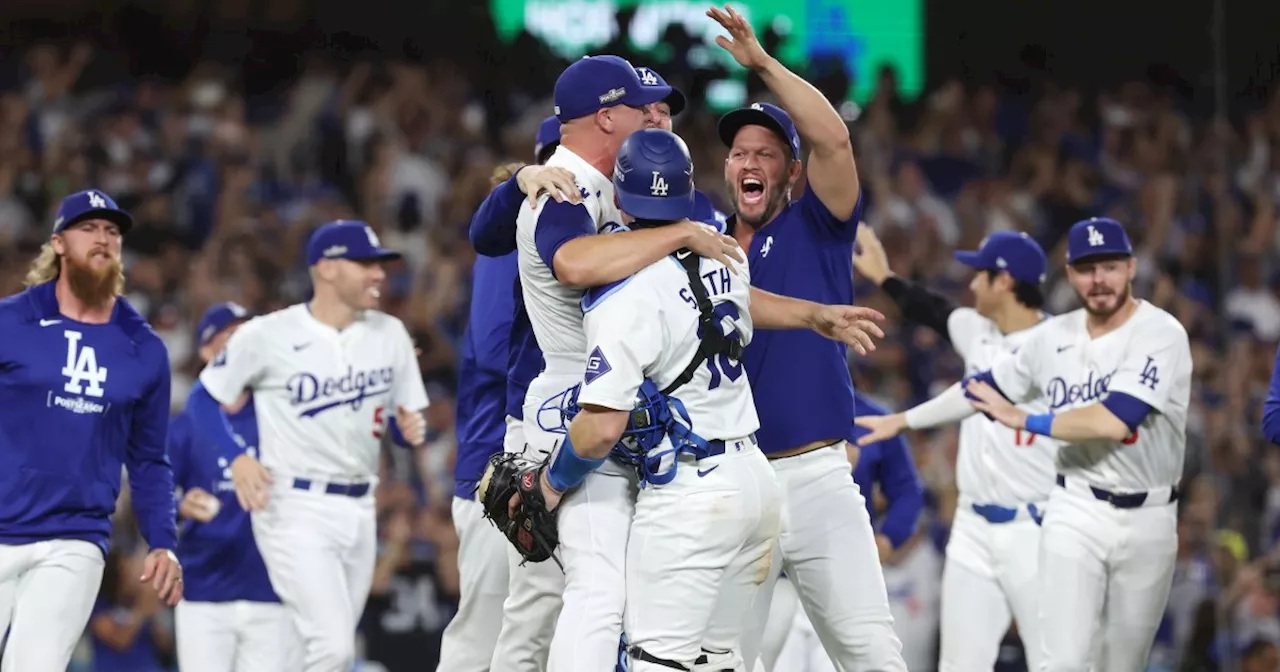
[344,489]
[1130,500]
[996,514]
[717,447]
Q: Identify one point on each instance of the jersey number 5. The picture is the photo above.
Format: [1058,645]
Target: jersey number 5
[379,423]
[721,364]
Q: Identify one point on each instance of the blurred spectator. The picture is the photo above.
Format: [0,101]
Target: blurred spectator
[130,629]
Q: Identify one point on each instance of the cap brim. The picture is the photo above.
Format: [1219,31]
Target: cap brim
[970,258]
[1094,256]
[677,101]
[120,218]
[733,122]
[660,208]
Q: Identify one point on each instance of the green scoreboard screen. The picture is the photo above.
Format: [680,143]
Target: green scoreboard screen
[865,33]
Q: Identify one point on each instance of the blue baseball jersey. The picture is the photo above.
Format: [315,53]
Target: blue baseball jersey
[1271,407]
[482,375]
[801,380]
[78,401]
[220,560]
[888,463]
[524,361]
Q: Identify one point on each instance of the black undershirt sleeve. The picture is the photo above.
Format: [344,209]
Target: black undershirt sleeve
[920,305]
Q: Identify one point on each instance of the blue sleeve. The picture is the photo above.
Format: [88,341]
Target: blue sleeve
[493,227]
[901,486]
[985,377]
[179,444]
[150,474]
[816,211]
[1271,407]
[1131,410]
[209,420]
[559,223]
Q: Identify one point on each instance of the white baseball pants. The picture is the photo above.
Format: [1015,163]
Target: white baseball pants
[571,620]
[320,551]
[991,576]
[828,550]
[47,591]
[238,636]
[468,641]
[1105,576]
[701,546]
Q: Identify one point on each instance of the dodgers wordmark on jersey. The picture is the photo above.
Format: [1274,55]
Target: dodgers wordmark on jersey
[628,344]
[997,464]
[553,308]
[313,384]
[77,401]
[1148,358]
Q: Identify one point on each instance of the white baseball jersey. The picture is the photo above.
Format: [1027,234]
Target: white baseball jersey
[554,309]
[647,327]
[323,396]
[996,464]
[1148,358]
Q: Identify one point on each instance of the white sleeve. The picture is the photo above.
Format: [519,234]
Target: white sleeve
[1157,354]
[624,339]
[239,366]
[407,388]
[964,326]
[950,406]
[1015,373]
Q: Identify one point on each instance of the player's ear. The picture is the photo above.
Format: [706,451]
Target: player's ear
[793,171]
[58,244]
[1133,268]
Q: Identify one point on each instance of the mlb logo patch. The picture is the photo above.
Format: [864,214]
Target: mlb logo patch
[597,365]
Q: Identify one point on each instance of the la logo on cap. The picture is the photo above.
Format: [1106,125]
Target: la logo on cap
[96,200]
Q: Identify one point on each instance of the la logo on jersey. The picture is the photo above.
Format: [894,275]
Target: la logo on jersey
[84,377]
[659,186]
[1095,237]
[96,200]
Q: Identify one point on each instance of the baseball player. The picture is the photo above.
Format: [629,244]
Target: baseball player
[1004,475]
[804,394]
[887,463]
[84,388]
[231,619]
[1271,407]
[709,516]
[327,376]
[1116,375]
[492,337]
[558,254]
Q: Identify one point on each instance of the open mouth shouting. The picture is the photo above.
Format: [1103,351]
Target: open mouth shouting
[751,191]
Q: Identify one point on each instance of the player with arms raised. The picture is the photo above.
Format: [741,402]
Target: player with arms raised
[326,378]
[1116,375]
[84,387]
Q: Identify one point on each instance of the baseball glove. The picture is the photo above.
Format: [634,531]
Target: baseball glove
[530,528]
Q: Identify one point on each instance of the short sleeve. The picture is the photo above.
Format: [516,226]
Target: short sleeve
[964,325]
[624,339]
[1158,354]
[407,389]
[559,223]
[1015,373]
[238,367]
[816,211]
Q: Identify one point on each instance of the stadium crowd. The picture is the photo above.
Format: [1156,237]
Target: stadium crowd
[226,188]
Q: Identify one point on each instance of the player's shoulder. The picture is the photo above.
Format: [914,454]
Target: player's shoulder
[20,307]
[1152,318]
[138,330]
[965,320]
[384,323]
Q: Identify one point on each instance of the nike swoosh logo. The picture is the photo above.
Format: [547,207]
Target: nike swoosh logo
[46,323]
[682,255]
[304,346]
[704,472]
[1065,347]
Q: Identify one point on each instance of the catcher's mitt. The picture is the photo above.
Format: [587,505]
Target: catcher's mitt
[531,529]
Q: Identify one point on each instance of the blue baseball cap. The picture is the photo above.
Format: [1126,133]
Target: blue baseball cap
[1017,253]
[653,176]
[770,116]
[1097,237]
[595,82]
[675,99]
[547,139]
[90,204]
[218,317]
[346,239]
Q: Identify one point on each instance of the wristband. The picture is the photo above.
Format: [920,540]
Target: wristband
[569,469]
[1040,424]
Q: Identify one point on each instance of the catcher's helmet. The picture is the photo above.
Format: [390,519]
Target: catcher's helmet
[653,176]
